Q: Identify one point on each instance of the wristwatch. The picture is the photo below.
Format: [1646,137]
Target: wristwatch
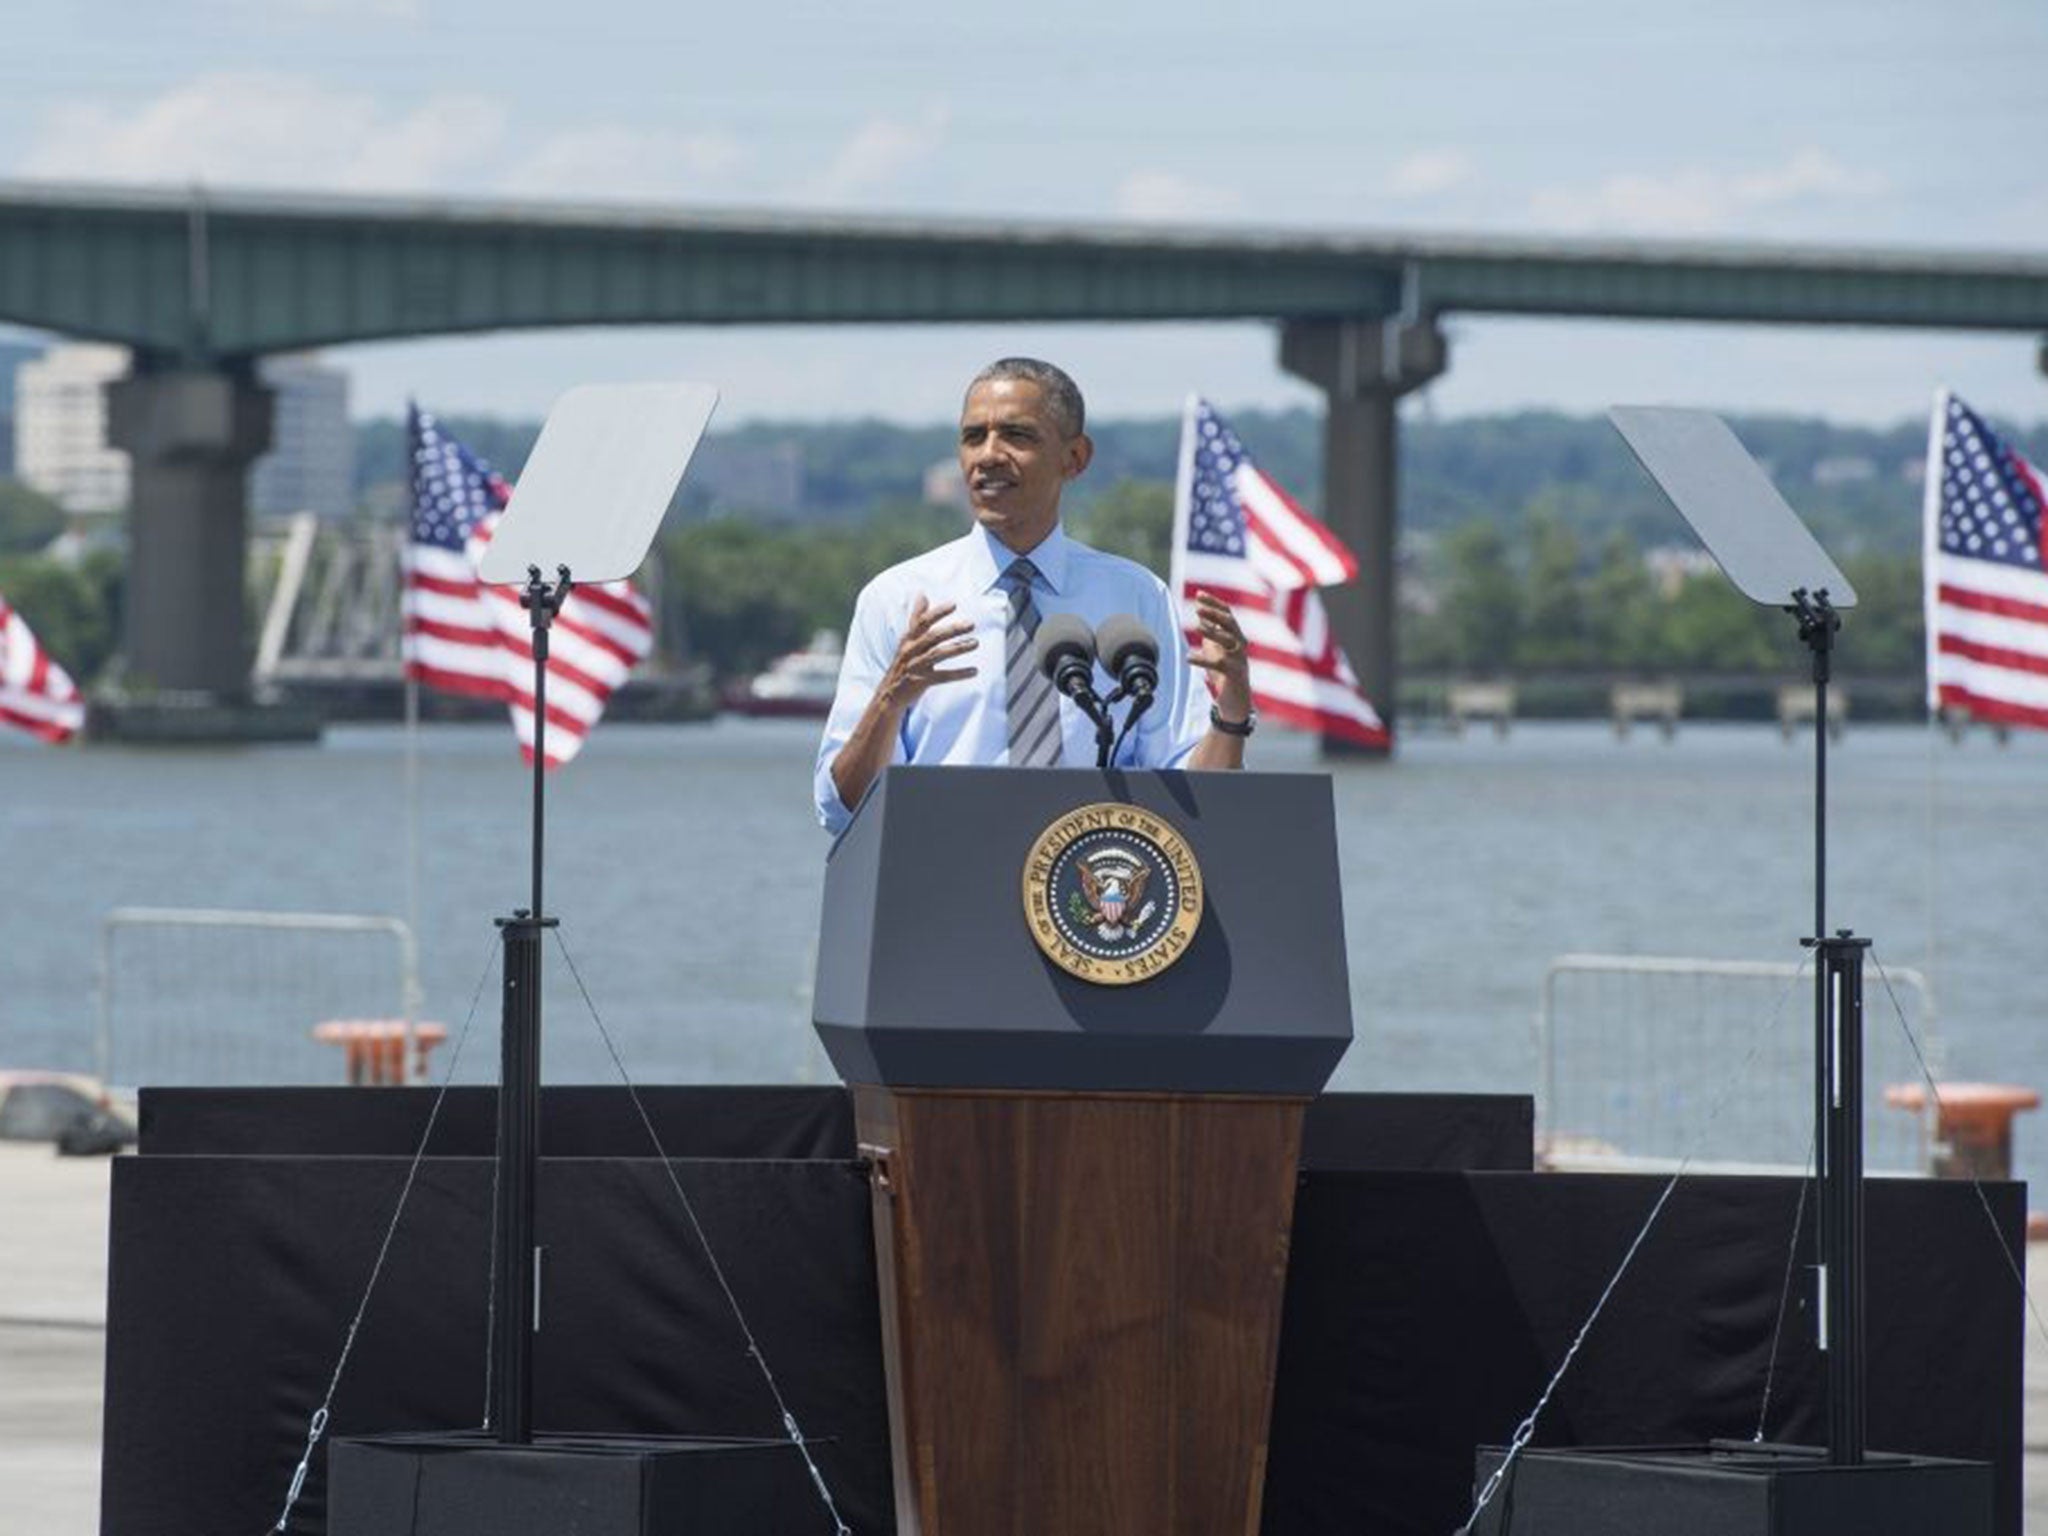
[1242,727]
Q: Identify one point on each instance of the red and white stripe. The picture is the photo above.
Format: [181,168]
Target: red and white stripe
[35,693]
[1987,623]
[1300,674]
[1288,547]
[465,636]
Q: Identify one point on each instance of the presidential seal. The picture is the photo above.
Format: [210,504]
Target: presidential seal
[1112,893]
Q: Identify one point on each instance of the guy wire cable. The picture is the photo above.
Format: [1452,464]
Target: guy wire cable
[1763,1411]
[1526,1430]
[2019,1274]
[789,1423]
[317,1425]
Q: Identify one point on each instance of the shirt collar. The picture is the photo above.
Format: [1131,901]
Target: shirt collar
[988,557]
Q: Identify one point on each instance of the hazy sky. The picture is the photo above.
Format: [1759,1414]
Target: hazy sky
[1865,122]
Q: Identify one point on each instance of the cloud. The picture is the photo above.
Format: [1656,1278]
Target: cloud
[614,161]
[1696,201]
[1428,172]
[266,130]
[1165,195]
[879,152]
[269,130]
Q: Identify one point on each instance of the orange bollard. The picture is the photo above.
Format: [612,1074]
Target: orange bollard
[375,1048]
[1972,1124]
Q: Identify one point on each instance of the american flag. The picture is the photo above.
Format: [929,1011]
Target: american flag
[35,693]
[464,636]
[1986,581]
[1238,535]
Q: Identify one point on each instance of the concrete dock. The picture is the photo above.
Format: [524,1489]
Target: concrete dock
[53,1291]
[53,1332]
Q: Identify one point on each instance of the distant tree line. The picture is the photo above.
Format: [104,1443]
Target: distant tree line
[1854,484]
[1525,533]
[73,608]
[1482,599]
[1484,603]
[1524,537]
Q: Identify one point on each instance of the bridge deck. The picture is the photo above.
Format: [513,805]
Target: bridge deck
[211,276]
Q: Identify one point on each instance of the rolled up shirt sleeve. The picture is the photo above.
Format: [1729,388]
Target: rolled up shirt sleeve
[870,645]
[1179,717]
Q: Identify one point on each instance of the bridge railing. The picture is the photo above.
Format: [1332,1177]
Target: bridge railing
[201,996]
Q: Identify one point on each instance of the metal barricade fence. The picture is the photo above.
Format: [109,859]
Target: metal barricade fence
[194,996]
[1650,1059]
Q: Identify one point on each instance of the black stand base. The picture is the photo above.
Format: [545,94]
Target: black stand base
[1733,1488]
[467,1485]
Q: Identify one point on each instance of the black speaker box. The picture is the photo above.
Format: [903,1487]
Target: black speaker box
[470,1485]
[1732,1488]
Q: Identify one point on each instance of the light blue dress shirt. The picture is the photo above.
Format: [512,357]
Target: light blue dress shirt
[964,722]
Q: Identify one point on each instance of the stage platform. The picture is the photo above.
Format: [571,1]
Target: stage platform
[1423,1310]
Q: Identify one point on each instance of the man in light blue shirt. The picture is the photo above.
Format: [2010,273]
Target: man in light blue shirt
[924,679]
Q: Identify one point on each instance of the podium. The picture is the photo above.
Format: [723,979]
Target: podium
[1082,1188]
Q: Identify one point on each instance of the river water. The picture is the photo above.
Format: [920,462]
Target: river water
[686,868]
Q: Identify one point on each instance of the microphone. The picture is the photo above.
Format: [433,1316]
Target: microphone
[1064,649]
[1131,654]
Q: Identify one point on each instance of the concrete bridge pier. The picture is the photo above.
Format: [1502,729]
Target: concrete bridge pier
[190,436]
[1363,368]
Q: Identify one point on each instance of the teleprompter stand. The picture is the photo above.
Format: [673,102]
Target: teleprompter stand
[589,501]
[1838,1090]
[1742,1488]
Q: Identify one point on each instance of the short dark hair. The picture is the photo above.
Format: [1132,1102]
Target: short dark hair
[1062,394]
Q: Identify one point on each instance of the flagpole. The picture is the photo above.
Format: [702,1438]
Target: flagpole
[1183,493]
[411,1001]
[410,1004]
[1930,546]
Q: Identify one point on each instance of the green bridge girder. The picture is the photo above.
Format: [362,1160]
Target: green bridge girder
[209,277]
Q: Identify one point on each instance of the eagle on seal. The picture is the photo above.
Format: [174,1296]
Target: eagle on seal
[1114,893]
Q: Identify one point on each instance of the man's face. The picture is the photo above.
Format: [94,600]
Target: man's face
[1015,461]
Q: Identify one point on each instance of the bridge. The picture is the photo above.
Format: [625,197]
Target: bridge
[201,285]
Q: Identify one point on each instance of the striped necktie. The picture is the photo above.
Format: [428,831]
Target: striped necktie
[1033,707]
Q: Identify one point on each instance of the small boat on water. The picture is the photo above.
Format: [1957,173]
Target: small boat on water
[800,684]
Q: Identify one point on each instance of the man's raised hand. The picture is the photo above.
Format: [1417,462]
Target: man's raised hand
[928,644]
[1222,654]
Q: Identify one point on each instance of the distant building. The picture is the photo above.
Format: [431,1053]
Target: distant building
[732,477]
[60,427]
[12,355]
[86,534]
[61,449]
[1671,566]
[1844,469]
[1414,591]
[944,485]
[311,466]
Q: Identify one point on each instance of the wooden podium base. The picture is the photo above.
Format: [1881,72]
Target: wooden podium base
[1080,1306]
